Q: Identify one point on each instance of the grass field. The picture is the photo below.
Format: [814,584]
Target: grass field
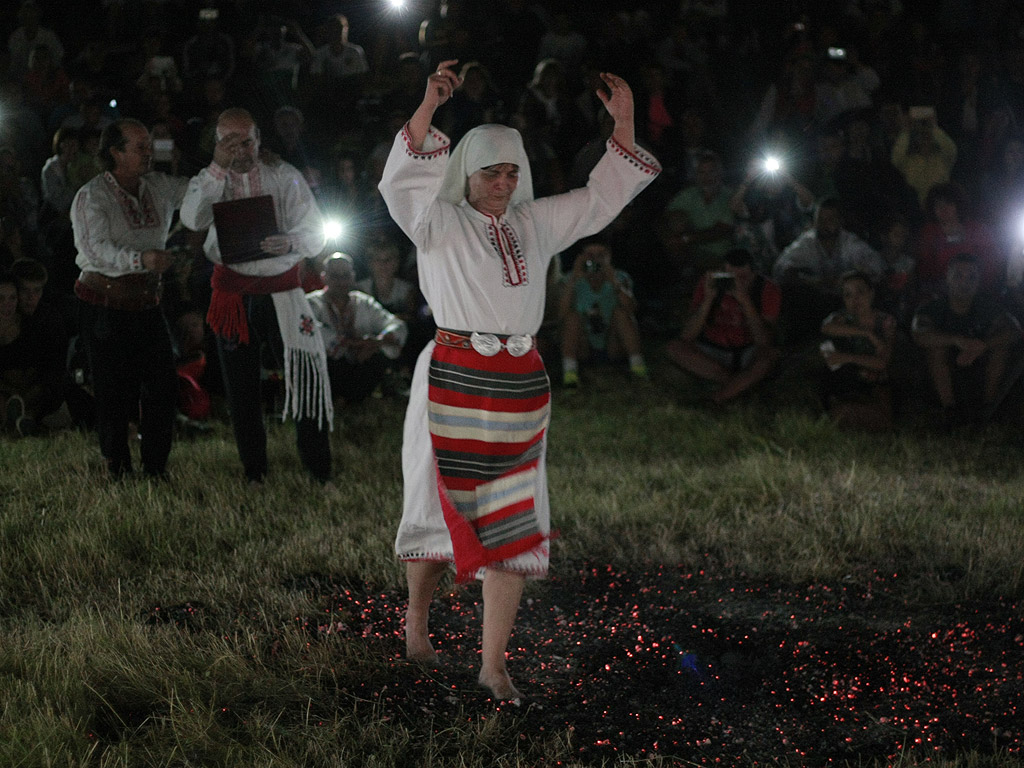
[205,623]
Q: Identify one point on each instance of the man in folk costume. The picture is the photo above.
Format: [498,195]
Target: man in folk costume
[261,300]
[120,220]
[475,430]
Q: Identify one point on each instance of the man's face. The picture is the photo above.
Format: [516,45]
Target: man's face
[339,275]
[962,280]
[491,188]
[244,137]
[137,156]
[828,224]
[708,176]
[29,294]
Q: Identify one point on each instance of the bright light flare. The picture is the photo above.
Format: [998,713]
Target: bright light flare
[396,5]
[772,164]
[333,229]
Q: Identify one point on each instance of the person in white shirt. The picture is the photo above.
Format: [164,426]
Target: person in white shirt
[475,430]
[810,268]
[262,300]
[360,336]
[121,220]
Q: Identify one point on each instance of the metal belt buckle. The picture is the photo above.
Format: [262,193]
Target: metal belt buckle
[519,344]
[487,344]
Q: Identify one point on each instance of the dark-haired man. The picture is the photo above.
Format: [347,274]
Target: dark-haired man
[120,220]
[965,332]
[808,270]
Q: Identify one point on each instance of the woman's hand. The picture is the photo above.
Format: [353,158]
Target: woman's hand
[441,84]
[619,103]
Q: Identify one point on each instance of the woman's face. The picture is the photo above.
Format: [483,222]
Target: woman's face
[491,188]
[857,296]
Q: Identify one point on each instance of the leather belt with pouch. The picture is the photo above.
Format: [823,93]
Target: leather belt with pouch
[130,292]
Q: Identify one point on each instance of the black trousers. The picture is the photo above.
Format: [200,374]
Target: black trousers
[356,381]
[133,381]
[241,366]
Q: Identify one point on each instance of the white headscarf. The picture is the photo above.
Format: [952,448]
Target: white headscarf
[483,146]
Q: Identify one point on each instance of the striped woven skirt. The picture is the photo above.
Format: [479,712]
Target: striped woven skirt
[487,417]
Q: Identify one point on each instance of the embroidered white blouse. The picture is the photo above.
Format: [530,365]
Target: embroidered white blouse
[484,273]
[113,228]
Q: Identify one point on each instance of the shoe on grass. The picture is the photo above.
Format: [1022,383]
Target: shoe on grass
[570,379]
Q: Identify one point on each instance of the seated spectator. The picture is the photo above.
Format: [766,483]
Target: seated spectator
[86,164]
[396,295]
[728,337]
[707,205]
[923,153]
[209,53]
[858,347]
[27,36]
[898,264]
[31,278]
[340,69]
[949,232]
[474,103]
[57,190]
[788,104]
[834,174]
[361,336]
[31,374]
[19,200]
[598,314]
[771,208]
[967,339]
[46,84]
[809,269]
[190,366]
[844,84]
[549,101]
[290,139]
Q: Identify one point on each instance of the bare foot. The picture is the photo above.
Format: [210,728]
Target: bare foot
[499,684]
[419,649]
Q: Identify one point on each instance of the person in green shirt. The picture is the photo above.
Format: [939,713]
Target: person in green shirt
[598,313]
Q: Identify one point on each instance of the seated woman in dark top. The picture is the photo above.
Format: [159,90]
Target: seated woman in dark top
[858,349]
[31,373]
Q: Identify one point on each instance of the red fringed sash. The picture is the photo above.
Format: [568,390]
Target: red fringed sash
[226,315]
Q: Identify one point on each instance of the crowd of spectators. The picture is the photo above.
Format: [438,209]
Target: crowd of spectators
[837,159]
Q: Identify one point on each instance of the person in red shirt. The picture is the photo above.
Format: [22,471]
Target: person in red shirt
[728,337]
[949,232]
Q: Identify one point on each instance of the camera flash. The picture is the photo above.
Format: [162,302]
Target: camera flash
[333,229]
[772,164]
